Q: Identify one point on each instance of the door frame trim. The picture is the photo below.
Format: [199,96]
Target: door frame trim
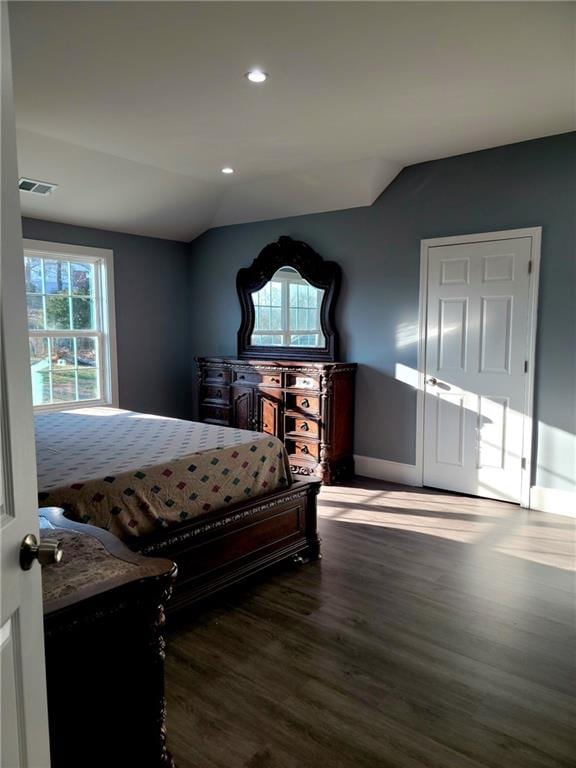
[535,233]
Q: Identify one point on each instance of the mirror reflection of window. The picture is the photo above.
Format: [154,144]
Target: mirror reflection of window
[287,312]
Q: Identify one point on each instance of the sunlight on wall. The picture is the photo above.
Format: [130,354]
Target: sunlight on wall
[556,458]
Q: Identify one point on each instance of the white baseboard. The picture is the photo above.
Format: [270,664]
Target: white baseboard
[553,500]
[381,469]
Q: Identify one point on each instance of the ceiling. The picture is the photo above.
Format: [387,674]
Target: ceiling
[134,107]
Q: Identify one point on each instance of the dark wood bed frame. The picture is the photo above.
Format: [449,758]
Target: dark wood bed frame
[221,549]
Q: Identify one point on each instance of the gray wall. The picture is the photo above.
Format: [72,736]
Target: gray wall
[152,320]
[521,185]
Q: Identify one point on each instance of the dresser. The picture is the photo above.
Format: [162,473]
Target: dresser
[103,618]
[308,405]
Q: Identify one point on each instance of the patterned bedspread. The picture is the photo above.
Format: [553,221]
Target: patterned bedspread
[133,473]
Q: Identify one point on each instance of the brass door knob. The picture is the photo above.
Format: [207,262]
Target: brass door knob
[48,552]
[432,381]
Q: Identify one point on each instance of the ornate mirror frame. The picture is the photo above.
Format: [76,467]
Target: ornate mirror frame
[321,274]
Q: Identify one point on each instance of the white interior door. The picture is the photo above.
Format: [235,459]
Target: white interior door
[24,723]
[478,346]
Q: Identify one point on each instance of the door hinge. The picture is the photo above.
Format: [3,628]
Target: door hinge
[523,463]
[530,267]
[525,366]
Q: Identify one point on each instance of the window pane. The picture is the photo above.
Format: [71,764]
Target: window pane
[33,272]
[304,340]
[40,370]
[267,340]
[82,313]
[277,294]
[64,386]
[57,312]
[40,387]
[39,352]
[86,352]
[82,279]
[293,289]
[313,297]
[35,312]
[88,384]
[264,319]
[276,319]
[63,353]
[311,319]
[56,276]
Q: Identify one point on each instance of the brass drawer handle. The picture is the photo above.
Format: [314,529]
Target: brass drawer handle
[219,393]
[304,427]
[304,449]
[305,403]
[242,376]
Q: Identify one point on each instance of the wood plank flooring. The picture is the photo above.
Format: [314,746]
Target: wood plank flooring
[438,631]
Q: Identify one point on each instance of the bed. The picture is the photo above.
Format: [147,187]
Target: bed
[218,501]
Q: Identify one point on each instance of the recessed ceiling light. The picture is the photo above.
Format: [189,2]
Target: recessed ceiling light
[256,76]
[227,169]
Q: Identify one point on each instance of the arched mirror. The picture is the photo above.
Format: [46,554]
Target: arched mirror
[287,298]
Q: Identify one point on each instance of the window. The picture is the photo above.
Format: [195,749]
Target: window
[70,305]
[287,312]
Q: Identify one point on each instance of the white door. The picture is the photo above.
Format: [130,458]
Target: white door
[478,348]
[24,736]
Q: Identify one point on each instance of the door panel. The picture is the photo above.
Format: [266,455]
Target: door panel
[495,334]
[450,416]
[268,413]
[242,408]
[24,724]
[452,334]
[476,347]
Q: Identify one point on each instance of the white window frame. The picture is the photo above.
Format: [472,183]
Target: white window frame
[105,313]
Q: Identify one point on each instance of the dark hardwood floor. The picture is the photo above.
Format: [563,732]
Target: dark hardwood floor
[437,631]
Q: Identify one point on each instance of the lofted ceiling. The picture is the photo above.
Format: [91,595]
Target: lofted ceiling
[132,108]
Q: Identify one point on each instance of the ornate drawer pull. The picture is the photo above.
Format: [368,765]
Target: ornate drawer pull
[305,403]
[304,449]
[304,427]
[219,393]
[220,374]
[276,381]
[242,376]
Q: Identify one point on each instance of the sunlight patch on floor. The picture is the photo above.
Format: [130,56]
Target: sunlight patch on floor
[503,528]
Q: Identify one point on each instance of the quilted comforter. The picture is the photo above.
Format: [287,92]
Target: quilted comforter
[133,473]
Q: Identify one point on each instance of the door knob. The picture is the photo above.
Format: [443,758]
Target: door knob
[433,381]
[47,552]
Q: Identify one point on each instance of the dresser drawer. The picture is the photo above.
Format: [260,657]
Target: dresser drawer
[303,404]
[214,414]
[215,375]
[296,425]
[214,393]
[255,377]
[302,381]
[301,449]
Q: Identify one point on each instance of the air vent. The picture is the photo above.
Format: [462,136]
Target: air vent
[38,187]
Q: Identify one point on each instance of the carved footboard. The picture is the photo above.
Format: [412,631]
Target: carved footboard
[217,550]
